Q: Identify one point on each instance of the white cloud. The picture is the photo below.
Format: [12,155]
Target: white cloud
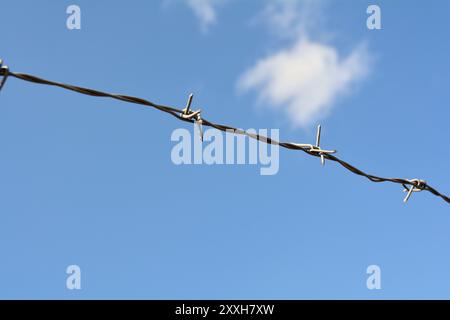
[304,79]
[290,17]
[204,10]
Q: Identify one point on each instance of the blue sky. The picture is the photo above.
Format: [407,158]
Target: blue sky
[90,181]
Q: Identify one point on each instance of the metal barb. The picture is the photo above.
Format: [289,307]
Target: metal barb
[319,129]
[417,186]
[199,122]
[195,115]
[187,113]
[187,110]
[4,71]
[316,147]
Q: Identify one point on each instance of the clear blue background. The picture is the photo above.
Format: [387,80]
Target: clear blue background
[89,181]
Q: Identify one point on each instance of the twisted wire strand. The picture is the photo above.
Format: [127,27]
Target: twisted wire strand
[409,185]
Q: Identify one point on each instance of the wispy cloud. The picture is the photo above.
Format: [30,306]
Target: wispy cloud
[289,18]
[304,79]
[205,11]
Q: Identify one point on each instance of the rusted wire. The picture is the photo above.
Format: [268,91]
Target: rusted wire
[410,185]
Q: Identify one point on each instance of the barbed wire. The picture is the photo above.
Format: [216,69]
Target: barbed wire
[187,115]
